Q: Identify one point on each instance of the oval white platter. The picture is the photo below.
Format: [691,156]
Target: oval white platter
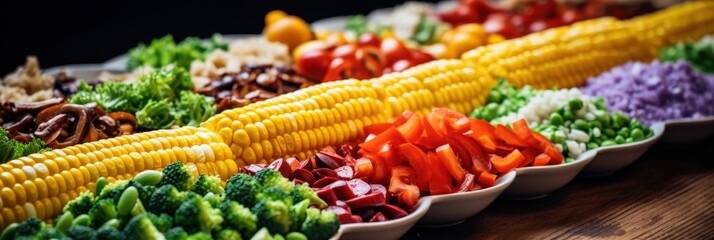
[612,158]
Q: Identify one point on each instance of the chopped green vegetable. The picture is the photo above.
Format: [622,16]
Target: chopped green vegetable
[357,25]
[426,31]
[700,54]
[11,149]
[164,51]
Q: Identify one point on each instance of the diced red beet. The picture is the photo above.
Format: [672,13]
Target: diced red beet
[356,219]
[304,175]
[347,150]
[392,211]
[342,204]
[253,168]
[342,190]
[349,160]
[359,187]
[324,182]
[345,172]
[324,172]
[365,212]
[327,195]
[325,159]
[369,200]
[282,166]
[293,162]
[379,188]
[307,165]
[328,149]
[342,214]
[468,183]
[379,217]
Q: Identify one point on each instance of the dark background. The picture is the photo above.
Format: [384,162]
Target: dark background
[95,31]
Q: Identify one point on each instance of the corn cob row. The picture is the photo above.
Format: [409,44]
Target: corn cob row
[567,56]
[39,185]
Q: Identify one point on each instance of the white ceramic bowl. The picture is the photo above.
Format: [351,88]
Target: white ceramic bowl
[451,209]
[685,132]
[392,229]
[612,158]
[537,182]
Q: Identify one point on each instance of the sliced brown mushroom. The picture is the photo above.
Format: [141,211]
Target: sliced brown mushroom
[126,121]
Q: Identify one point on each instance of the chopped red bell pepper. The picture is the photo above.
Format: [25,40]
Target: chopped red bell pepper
[529,154]
[451,162]
[403,117]
[391,135]
[541,160]
[440,182]
[417,159]
[364,169]
[402,184]
[412,129]
[555,156]
[480,127]
[508,136]
[377,128]
[380,168]
[508,163]
[487,179]
[521,129]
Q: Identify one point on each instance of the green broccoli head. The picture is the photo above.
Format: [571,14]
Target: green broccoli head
[268,177]
[177,175]
[166,199]
[240,218]
[273,215]
[276,194]
[145,191]
[298,213]
[197,214]
[102,211]
[29,228]
[81,204]
[320,224]
[205,184]
[303,191]
[228,234]
[113,191]
[79,232]
[140,227]
[162,222]
[108,233]
[200,236]
[242,188]
[50,233]
[176,233]
[213,199]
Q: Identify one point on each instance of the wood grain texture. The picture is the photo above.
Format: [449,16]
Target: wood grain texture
[664,195]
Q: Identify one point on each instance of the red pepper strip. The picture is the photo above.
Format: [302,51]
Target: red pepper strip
[451,162]
[486,142]
[508,163]
[431,138]
[418,161]
[555,156]
[380,168]
[521,129]
[390,135]
[390,157]
[529,154]
[508,136]
[436,121]
[478,158]
[541,160]
[401,184]
[463,156]
[440,182]
[487,179]
[412,129]
[403,117]
[376,128]
[468,183]
[454,121]
[503,149]
[480,127]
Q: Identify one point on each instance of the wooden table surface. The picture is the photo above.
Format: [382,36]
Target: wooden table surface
[663,195]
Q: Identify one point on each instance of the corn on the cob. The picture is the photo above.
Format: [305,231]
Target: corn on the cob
[567,56]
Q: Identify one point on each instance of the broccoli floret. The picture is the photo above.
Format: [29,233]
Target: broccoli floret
[140,227]
[197,214]
[50,233]
[112,191]
[162,222]
[81,204]
[298,214]
[178,175]
[303,191]
[276,194]
[205,184]
[242,188]
[145,191]
[268,177]
[79,232]
[200,236]
[29,228]
[166,199]
[228,234]
[109,233]
[320,224]
[274,215]
[102,211]
[176,233]
[238,217]
[213,199]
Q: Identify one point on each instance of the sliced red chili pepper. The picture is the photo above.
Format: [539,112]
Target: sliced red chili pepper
[451,162]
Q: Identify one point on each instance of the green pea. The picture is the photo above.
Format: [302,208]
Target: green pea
[296,236]
[568,116]
[81,220]
[101,183]
[556,139]
[127,200]
[608,143]
[621,119]
[64,222]
[619,139]
[629,140]
[581,125]
[560,111]
[604,119]
[624,132]
[649,134]
[609,132]
[556,119]
[494,96]
[278,237]
[637,134]
[9,232]
[575,104]
[591,145]
[114,223]
[596,124]
[149,177]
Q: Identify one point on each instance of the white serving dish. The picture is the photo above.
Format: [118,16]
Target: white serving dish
[330,24]
[537,182]
[88,72]
[686,132]
[452,209]
[392,229]
[612,158]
